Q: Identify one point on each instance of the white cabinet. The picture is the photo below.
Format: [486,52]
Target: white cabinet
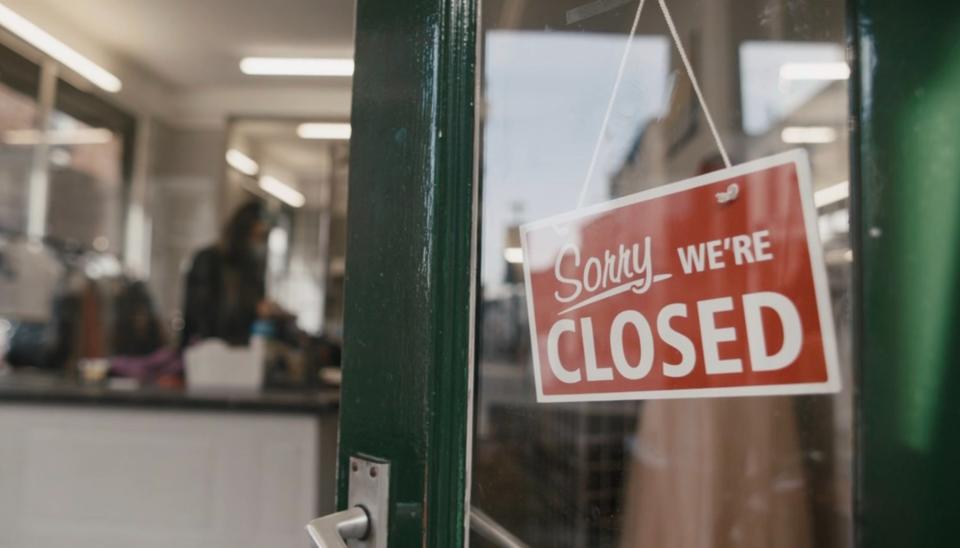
[92,477]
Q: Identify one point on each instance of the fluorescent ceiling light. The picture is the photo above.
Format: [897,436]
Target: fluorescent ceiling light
[815,71]
[284,192]
[808,134]
[242,163]
[296,66]
[38,38]
[324,130]
[84,136]
[831,194]
[513,255]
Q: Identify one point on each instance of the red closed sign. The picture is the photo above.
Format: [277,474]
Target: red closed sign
[713,286]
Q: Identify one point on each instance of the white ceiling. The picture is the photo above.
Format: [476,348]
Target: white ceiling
[199,43]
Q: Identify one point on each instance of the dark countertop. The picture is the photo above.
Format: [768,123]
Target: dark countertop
[42,389]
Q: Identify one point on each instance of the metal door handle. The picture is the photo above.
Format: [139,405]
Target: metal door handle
[367,522]
[333,530]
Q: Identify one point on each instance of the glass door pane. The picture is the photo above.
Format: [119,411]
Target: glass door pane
[87,184]
[19,83]
[89,162]
[737,472]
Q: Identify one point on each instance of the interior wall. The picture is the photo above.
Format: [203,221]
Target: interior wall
[184,188]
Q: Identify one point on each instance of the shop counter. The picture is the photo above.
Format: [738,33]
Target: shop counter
[102,466]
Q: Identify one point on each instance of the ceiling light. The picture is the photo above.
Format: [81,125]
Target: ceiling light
[513,255]
[296,66]
[325,130]
[815,71]
[38,38]
[808,135]
[831,194]
[282,191]
[242,163]
[85,136]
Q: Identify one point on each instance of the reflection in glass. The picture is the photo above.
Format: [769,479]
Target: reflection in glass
[86,183]
[17,115]
[736,472]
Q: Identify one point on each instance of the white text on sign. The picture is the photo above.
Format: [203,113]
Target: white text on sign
[711,255]
[711,336]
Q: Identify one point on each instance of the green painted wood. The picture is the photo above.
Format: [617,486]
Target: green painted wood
[407,323]
[907,228]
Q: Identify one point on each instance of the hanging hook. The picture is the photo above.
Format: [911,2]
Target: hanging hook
[729,195]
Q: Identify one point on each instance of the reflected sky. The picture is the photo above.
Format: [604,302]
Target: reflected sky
[546,94]
[767,96]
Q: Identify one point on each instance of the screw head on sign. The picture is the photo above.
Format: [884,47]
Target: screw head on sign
[354,467]
[373,471]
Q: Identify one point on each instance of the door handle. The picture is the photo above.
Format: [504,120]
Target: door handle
[366,522]
[333,530]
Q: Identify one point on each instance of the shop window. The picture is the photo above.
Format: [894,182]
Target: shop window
[89,163]
[19,81]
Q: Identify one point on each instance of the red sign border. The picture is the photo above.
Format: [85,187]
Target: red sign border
[800,159]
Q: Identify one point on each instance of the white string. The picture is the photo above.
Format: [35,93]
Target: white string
[693,80]
[606,116]
[616,88]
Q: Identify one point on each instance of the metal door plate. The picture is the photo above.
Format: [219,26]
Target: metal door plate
[369,487]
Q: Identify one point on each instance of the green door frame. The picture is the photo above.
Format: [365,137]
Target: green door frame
[906,107]
[407,386]
[410,264]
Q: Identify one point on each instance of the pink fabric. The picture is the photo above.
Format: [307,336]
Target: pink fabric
[163,362]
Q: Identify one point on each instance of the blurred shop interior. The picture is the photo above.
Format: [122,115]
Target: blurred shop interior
[131,132]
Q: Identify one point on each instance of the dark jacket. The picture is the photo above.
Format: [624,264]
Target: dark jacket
[221,297]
